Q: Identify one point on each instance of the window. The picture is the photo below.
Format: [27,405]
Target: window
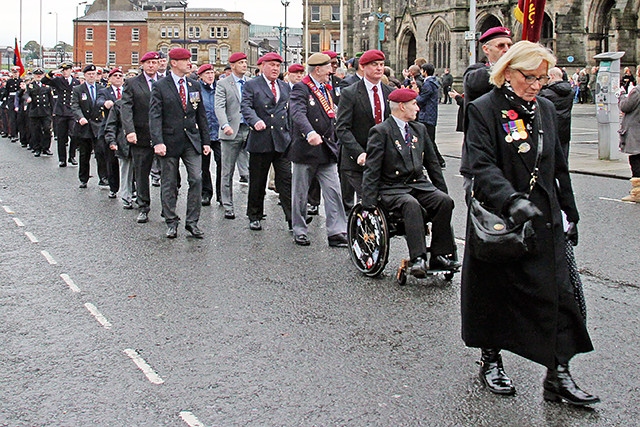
[88,57]
[112,57]
[224,54]
[219,32]
[365,45]
[440,45]
[163,32]
[194,32]
[315,42]
[194,54]
[135,34]
[165,50]
[135,58]
[366,4]
[88,34]
[176,32]
[315,13]
[336,46]
[212,55]
[335,13]
[112,34]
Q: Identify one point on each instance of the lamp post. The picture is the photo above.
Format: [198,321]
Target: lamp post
[279,28]
[55,13]
[9,55]
[183,3]
[285,3]
[382,19]
[75,43]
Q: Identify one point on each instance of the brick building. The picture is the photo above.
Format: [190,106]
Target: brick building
[323,17]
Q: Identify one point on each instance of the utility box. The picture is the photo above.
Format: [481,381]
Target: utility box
[607,112]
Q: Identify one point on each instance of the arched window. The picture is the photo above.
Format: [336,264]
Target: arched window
[440,45]
[546,36]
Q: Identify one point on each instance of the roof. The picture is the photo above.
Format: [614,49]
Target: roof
[115,15]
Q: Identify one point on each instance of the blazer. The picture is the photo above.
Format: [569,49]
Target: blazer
[170,124]
[105,94]
[307,115]
[83,106]
[227,106]
[355,119]
[392,167]
[64,90]
[258,104]
[135,109]
[114,133]
[41,104]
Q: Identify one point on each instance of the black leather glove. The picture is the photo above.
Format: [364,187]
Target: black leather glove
[572,233]
[522,210]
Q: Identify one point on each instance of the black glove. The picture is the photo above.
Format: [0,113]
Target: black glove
[572,233]
[522,210]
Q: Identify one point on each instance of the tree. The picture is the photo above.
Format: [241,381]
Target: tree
[33,49]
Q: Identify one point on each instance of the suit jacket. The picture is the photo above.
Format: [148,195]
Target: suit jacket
[114,133]
[308,115]
[64,91]
[106,94]
[227,106]
[170,124]
[355,119]
[41,100]
[258,104]
[135,109]
[392,167]
[83,106]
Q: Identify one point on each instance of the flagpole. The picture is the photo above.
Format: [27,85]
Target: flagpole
[20,35]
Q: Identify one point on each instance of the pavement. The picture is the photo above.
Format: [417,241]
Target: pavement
[583,151]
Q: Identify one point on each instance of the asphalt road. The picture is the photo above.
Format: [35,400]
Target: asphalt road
[245,328]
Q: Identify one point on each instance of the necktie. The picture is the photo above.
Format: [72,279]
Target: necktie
[91,91]
[273,90]
[323,89]
[151,82]
[377,113]
[407,134]
[183,94]
[241,81]
[118,94]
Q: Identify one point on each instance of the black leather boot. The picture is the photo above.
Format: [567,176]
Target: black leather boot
[492,373]
[559,386]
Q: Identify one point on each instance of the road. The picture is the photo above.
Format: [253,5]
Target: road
[245,328]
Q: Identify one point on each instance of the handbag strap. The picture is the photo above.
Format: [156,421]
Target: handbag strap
[536,166]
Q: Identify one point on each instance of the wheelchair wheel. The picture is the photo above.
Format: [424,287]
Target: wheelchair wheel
[401,276]
[368,235]
[448,275]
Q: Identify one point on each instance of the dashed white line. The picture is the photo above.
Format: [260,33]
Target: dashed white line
[49,258]
[69,282]
[615,200]
[190,419]
[460,241]
[144,366]
[8,209]
[18,222]
[99,317]
[31,237]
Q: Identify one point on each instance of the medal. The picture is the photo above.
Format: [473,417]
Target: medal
[508,138]
[524,147]
[515,136]
[523,134]
[521,129]
[311,101]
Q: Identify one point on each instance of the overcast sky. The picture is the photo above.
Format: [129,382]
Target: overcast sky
[259,12]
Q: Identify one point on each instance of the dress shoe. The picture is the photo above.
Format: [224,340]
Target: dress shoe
[23,145]
[229,214]
[172,231]
[155,182]
[492,373]
[14,139]
[338,241]
[206,201]
[255,225]
[142,217]
[302,240]
[47,152]
[103,182]
[244,179]
[112,194]
[62,164]
[83,185]
[441,262]
[36,153]
[418,267]
[559,385]
[194,230]
[443,165]
[127,205]
[312,210]
[73,161]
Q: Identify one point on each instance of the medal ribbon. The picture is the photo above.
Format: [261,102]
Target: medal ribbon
[327,106]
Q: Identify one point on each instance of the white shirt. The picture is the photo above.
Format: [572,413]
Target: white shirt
[176,79]
[276,86]
[369,87]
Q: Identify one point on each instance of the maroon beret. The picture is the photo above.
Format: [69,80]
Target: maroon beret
[296,68]
[178,53]
[235,57]
[149,55]
[115,70]
[331,54]
[204,67]
[402,95]
[494,33]
[370,56]
[271,56]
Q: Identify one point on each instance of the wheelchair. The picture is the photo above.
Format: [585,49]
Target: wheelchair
[369,234]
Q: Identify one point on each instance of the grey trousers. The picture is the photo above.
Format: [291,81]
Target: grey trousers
[327,175]
[126,179]
[231,149]
[169,185]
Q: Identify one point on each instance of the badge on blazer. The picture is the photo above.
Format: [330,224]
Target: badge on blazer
[311,101]
[84,97]
[398,145]
[524,147]
[194,99]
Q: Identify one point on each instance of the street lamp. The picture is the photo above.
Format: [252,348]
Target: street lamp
[382,19]
[9,55]
[183,3]
[55,13]
[75,43]
[285,3]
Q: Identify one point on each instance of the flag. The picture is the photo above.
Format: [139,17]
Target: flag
[530,13]
[16,58]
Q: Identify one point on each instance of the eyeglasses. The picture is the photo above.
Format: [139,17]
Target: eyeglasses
[543,80]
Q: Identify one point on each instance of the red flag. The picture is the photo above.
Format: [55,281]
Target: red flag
[16,58]
[531,14]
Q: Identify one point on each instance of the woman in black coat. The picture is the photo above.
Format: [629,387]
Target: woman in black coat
[525,306]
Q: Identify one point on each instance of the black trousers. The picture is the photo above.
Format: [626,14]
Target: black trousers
[207,184]
[85,147]
[142,160]
[40,133]
[112,165]
[100,150]
[24,124]
[259,164]
[13,118]
[313,198]
[64,126]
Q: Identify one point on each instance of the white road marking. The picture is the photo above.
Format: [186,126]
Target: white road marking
[31,237]
[460,241]
[458,176]
[190,419]
[49,258]
[616,200]
[69,282]
[8,209]
[99,317]
[144,366]
[18,222]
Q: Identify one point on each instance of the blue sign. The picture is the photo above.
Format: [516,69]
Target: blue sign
[570,58]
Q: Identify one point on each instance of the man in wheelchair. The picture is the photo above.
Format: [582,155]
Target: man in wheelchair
[394,179]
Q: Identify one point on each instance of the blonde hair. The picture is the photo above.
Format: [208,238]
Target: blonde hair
[522,56]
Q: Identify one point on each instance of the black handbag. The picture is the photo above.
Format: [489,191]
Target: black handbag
[493,238]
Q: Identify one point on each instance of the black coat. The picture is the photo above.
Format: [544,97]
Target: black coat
[135,109]
[41,104]
[170,124]
[83,106]
[64,90]
[561,95]
[105,94]
[521,306]
[114,133]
